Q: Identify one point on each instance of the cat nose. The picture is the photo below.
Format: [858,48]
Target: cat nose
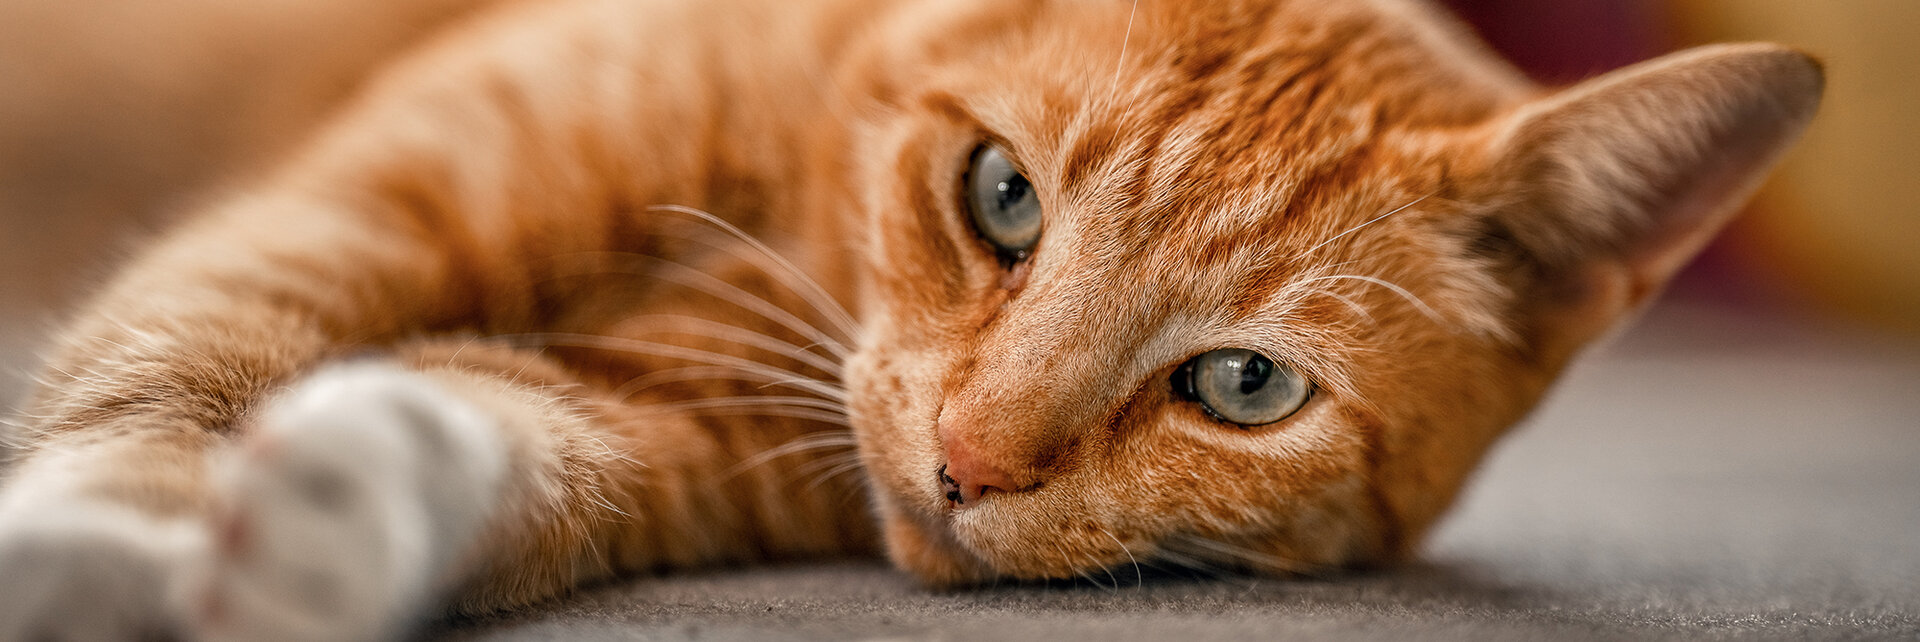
[970,474]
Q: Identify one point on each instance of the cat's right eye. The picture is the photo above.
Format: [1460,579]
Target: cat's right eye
[1002,204]
[1242,386]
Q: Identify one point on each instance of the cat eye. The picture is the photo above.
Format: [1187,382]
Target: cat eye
[1242,386]
[1003,205]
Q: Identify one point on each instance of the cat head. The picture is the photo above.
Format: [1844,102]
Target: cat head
[1247,283]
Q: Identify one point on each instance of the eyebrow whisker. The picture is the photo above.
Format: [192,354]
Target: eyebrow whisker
[1357,228]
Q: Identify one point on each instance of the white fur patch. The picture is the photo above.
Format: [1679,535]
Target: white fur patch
[347,506]
[84,569]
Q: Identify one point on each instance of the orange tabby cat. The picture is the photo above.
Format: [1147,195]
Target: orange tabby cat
[1050,286]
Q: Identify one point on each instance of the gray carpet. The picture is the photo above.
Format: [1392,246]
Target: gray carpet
[1707,476]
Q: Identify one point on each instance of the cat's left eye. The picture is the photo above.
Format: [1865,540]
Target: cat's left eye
[1003,205]
[1242,386]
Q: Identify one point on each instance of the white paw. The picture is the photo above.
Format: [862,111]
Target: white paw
[83,569]
[344,509]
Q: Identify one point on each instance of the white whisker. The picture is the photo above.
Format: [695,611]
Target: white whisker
[735,334]
[463,348]
[1361,226]
[1120,63]
[1389,285]
[652,348]
[804,443]
[836,471]
[1085,575]
[788,274]
[1250,557]
[1115,587]
[1184,561]
[799,284]
[688,277]
[1096,581]
[751,401]
[537,353]
[1351,305]
[822,416]
[828,461]
[1137,577]
[726,373]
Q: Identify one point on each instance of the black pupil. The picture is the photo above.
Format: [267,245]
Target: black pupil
[1255,374]
[1013,190]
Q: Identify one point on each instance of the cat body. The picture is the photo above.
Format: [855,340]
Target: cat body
[594,288]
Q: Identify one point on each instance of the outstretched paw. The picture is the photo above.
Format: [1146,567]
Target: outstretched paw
[345,507]
[81,569]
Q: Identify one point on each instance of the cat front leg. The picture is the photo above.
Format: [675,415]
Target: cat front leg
[351,503]
[330,512]
[455,475]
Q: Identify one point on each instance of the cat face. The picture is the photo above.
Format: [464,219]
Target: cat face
[1252,293]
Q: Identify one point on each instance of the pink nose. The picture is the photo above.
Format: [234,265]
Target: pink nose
[968,476]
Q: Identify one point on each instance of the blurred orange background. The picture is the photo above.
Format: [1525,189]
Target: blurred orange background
[1840,225]
[1835,234]
[115,116]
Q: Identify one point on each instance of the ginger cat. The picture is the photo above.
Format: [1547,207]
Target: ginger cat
[592,288]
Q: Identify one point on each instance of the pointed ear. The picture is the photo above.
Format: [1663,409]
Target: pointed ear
[1599,193]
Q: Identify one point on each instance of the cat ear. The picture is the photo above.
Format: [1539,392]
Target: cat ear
[1602,191]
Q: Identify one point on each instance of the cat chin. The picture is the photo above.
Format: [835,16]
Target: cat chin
[931,554]
[989,544]
[930,549]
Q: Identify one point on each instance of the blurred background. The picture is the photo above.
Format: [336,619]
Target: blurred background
[1833,235]
[116,116]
